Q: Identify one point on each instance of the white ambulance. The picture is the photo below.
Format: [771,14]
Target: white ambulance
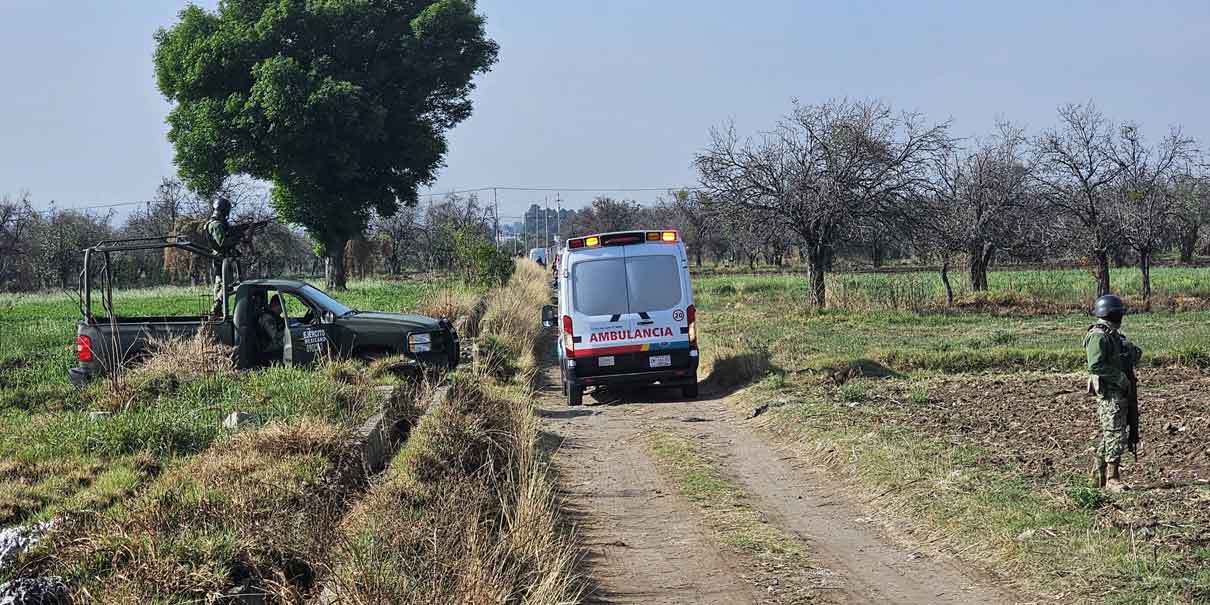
[625,313]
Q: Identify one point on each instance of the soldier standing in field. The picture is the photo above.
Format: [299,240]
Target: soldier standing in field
[218,228]
[1111,362]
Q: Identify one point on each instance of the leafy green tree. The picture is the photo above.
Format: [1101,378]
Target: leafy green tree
[342,105]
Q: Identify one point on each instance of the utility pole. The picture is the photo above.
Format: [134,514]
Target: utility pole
[558,214]
[546,215]
[496,203]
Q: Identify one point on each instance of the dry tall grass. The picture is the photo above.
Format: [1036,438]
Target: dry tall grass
[512,314]
[460,304]
[468,511]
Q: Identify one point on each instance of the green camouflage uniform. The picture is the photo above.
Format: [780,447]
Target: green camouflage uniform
[216,228]
[1110,357]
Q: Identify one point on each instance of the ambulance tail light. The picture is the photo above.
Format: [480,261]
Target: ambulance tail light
[568,340]
[84,348]
[691,315]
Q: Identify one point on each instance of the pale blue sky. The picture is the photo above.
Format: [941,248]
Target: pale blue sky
[622,93]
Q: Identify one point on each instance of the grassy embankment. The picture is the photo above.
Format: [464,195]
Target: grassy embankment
[467,511]
[965,488]
[155,500]
[58,453]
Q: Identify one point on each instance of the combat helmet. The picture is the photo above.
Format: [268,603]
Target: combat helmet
[1108,306]
[222,206]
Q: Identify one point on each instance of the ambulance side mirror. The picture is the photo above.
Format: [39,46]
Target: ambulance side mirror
[548,316]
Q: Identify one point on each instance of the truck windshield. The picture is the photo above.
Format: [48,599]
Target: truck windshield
[635,284]
[325,302]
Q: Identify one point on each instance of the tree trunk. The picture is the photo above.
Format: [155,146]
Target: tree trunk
[817,263]
[697,255]
[1100,261]
[1145,269]
[876,255]
[334,267]
[978,259]
[1119,257]
[1188,244]
[945,279]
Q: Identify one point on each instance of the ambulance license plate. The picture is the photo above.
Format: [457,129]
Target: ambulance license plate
[605,362]
[660,361]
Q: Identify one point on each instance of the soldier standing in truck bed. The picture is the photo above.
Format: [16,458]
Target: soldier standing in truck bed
[218,228]
[1111,362]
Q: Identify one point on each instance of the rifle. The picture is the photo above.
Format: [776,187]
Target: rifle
[1132,414]
[239,231]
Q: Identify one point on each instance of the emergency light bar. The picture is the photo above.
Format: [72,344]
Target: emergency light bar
[621,239]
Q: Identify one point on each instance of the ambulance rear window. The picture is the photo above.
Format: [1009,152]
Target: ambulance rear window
[599,286]
[654,283]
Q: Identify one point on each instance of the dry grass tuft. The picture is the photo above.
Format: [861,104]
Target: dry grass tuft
[185,358]
[512,314]
[257,511]
[459,304]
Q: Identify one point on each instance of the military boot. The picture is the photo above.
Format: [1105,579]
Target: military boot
[1098,472]
[1114,484]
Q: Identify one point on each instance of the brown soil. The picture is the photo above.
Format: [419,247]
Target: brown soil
[647,544]
[1045,426]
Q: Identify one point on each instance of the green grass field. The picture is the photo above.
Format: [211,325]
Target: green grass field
[68,449]
[979,434]
[1041,289]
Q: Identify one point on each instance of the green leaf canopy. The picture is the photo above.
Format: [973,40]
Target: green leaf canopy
[341,104]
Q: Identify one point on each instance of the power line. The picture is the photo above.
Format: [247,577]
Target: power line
[431,195]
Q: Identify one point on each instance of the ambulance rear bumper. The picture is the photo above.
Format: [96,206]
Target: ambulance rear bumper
[668,377]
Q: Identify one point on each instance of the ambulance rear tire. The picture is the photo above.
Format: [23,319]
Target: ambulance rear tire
[575,394]
[689,391]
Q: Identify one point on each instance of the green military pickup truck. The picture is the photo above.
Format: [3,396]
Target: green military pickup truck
[312,324]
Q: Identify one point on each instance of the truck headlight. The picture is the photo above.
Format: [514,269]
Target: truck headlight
[420,343]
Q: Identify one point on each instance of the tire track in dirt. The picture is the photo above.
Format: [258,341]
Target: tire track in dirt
[868,566]
[644,542]
[647,545]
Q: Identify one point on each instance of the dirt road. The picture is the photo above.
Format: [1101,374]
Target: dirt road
[647,544]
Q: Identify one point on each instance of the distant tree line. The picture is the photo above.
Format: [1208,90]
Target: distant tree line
[845,176]
[42,249]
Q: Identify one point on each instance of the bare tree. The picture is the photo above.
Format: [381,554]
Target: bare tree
[696,218]
[981,203]
[1146,193]
[1191,210]
[1076,166]
[17,222]
[825,169]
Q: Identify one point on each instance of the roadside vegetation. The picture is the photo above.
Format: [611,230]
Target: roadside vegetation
[467,511]
[970,431]
[152,498]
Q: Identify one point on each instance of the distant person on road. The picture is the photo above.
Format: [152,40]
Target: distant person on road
[1112,359]
[270,322]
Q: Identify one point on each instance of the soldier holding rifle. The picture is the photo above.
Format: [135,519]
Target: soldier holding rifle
[225,239]
[1112,359]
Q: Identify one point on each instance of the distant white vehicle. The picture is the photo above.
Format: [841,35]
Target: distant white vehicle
[538,255]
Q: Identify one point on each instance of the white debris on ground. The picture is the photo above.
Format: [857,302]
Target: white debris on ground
[16,540]
[34,591]
[28,591]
